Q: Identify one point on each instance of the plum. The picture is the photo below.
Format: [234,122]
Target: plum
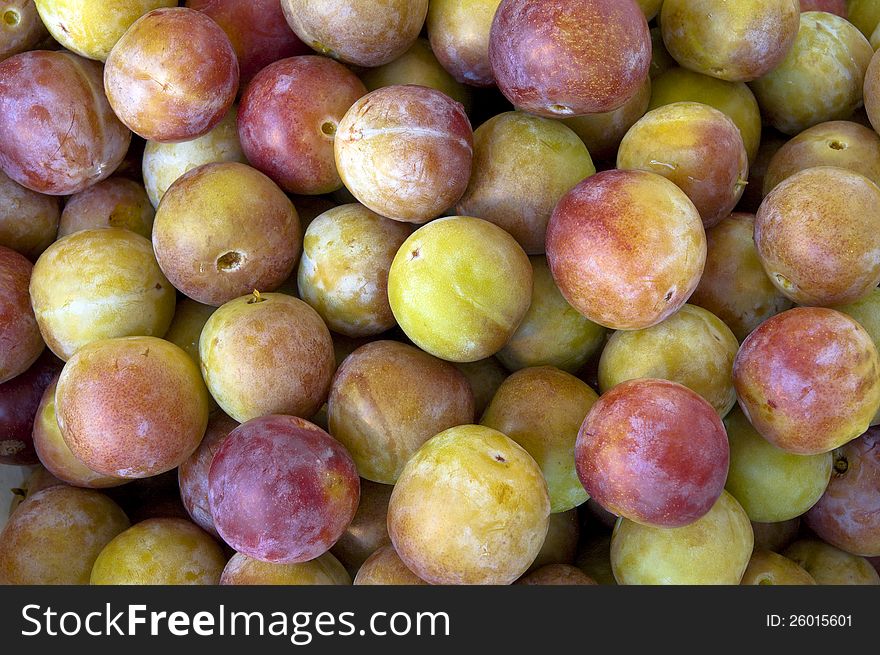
[768,568]
[19,399]
[831,566]
[223,230]
[267,353]
[558,58]
[560,544]
[55,454]
[459,34]
[872,91]
[160,551]
[58,133]
[808,380]
[164,163]
[832,6]
[172,76]
[734,99]
[484,377]
[28,220]
[734,286]
[603,132]
[557,574]
[542,410]
[20,340]
[692,347]
[99,284]
[820,78]
[368,530]
[115,202]
[419,66]
[384,567]
[848,513]
[733,41]
[55,536]
[343,272]
[288,119]
[772,485]
[697,147]
[151,428]
[552,333]
[323,570]
[20,27]
[626,248]
[467,492]
[257,30]
[90,28]
[843,144]
[715,549]
[653,451]
[864,14]
[867,312]
[818,236]
[776,536]
[522,166]
[389,398]
[459,287]
[192,474]
[364,33]
[282,490]
[405,151]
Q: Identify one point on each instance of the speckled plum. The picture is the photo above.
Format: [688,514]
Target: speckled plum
[55,536]
[522,166]
[282,490]
[223,230]
[58,134]
[734,286]
[542,409]
[267,354]
[55,454]
[257,30]
[99,284]
[768,568]
[115,202]
[558,58]
[160,551]
[389,398]
[343,272]
[20,27]
[654,452]
[831,566]
[818,236]
[459,287]
[172,76]
[848,513]
[808,379]
[626,248]
[148,430]
[467,492]
[288,119]
[695,146]
[384,567]
[405,152]
[459,34]
[365,33]
[735,41]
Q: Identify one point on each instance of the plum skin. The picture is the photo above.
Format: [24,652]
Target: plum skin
[307,475]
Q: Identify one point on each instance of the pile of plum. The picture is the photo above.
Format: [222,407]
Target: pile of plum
[447,292]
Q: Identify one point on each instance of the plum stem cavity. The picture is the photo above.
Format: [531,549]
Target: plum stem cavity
[229,262]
